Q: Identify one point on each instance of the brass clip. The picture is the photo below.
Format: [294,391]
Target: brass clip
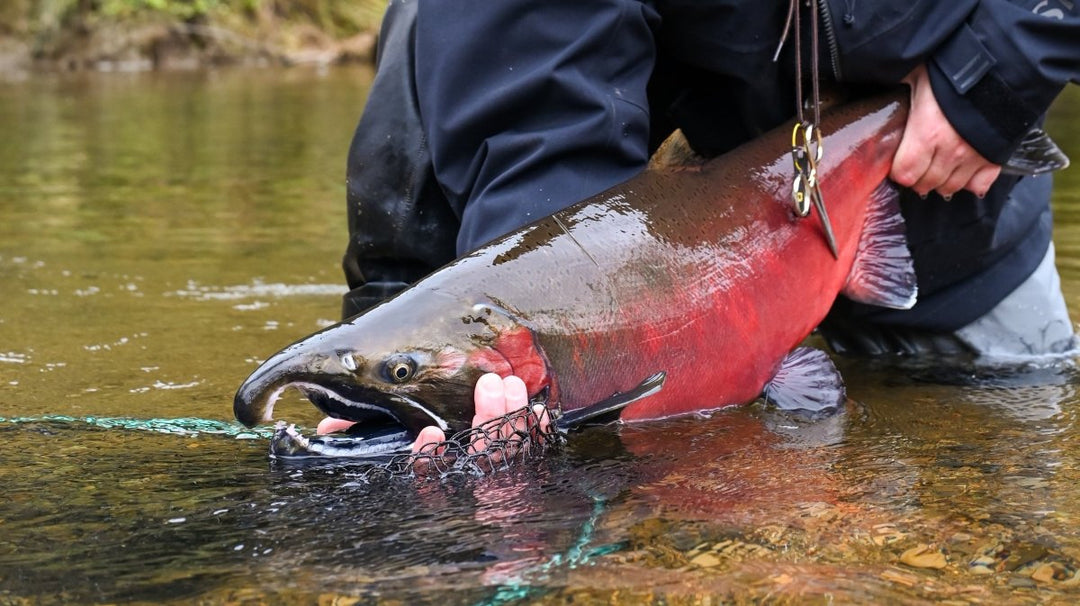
[807,150]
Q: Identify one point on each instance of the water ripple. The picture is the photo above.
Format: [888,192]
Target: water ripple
[256,289]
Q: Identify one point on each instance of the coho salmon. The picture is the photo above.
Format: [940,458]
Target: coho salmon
[701,279]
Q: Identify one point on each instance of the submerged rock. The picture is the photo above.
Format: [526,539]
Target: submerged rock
[924,556]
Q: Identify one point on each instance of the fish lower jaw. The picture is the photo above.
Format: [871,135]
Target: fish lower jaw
[288,444]
[290,430]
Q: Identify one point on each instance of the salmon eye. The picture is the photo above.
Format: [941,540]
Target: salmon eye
[400,368]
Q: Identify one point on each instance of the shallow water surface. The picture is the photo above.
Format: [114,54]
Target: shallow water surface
[162,233]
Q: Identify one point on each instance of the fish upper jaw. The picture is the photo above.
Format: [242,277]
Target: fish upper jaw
[254,400]
[366,403]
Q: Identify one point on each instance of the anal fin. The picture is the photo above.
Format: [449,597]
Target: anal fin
[806,381]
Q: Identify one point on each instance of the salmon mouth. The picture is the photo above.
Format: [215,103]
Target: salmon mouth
[382,425]
[371,443]
[337,406]
[370,406]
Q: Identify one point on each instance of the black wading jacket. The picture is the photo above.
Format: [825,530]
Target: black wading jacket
[485,116]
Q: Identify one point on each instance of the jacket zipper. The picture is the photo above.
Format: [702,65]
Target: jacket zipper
[830,37]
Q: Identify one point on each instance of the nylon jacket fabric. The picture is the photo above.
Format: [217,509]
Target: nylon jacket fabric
[531,106]
[995,65]
[400,225]
[526,107]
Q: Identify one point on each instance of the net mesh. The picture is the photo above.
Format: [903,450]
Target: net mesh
[495,445]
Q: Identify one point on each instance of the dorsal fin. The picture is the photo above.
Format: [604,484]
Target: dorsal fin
[675,153]
[883,273]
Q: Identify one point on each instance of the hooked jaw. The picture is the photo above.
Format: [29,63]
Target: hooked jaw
[334,391]
[254,400]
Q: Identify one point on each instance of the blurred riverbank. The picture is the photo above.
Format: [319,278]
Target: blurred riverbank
[141,35]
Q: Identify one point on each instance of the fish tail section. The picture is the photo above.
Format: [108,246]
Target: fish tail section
[883,273]
[1037,154]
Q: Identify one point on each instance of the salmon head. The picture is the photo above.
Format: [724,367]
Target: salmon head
[412,361]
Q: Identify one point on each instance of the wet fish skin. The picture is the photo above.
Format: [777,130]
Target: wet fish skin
[704,274]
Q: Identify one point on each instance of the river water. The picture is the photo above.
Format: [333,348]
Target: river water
[162,233]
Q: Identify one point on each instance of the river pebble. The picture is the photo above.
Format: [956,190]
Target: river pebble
[924,556]
[705,560]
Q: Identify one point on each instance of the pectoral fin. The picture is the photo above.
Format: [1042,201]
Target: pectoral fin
[806,381]
[610,405]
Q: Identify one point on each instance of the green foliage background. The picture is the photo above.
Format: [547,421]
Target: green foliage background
[336,18]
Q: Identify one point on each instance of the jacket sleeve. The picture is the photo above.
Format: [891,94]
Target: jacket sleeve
[531,106]
[995,65]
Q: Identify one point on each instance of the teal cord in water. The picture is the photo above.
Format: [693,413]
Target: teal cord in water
[184,426]
[573,557]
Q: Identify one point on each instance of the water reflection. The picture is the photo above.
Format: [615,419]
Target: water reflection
[161,234]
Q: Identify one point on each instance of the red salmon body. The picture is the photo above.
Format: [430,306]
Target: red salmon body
[704,274]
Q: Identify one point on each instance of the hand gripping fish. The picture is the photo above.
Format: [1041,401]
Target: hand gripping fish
[701,279]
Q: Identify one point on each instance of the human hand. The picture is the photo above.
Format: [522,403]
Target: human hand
[494,397]
[932,155]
